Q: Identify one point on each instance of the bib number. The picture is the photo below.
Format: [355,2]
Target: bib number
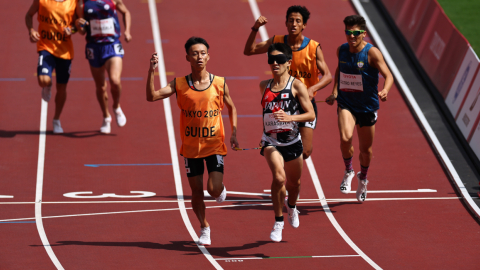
[118,49]
[273,126]
[351,82]
[102,28]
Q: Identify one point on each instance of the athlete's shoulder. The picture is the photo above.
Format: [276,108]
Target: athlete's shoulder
[298,84]
[278,39]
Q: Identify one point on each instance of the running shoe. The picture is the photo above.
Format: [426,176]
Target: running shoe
[292,215]
[362,189]
[57,127]
[47,93]
[205,237]
[121,119]
[346,185]
[106,128]
[276,234]
[222,196]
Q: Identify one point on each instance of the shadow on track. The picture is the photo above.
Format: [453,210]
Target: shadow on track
[77,134]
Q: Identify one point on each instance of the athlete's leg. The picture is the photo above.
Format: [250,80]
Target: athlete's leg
[346,125]
[365,142]
[44,80]
[196,184]
[293,171]
[60,99]
[275,162]
[215,184]
[98,74]
[114,70]
[307,140]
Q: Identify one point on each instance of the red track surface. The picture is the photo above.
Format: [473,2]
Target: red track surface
[395,234]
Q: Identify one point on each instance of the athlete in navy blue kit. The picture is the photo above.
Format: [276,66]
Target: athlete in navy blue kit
[357,78]
[282,98]
[104,51]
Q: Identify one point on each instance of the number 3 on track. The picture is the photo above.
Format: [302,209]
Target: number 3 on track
[83,195]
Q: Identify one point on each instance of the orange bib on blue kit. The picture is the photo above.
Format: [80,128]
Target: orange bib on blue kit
[201,124]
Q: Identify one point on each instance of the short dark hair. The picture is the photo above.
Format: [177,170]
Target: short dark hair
[300,9]
[281,47]
[355,20]
[195,40]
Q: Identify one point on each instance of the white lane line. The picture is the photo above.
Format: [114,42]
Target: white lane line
[267,203]
[418,112]
[256,14]
[293,257]
[328,212]
[399,191]
[6,197]
[316,182]
[39,188]
[171,134]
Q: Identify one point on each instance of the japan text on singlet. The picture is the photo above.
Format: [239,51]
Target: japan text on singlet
[201,124]
[357,80]
[103,21]
[304,61]
[276,132]
[53,16]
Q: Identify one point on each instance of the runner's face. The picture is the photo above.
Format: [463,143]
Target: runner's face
[198,56]
[279,69]
[352,40]
[295,24]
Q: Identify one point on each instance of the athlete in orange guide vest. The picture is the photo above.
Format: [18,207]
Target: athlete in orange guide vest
[54,46]
[307,62]
[200,96]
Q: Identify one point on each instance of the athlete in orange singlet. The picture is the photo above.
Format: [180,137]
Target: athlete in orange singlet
[201,97]
[54,46]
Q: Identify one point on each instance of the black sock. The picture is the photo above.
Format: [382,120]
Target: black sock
[291,206]
[279,219]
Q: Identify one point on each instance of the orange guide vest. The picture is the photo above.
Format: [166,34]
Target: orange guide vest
[53,16]
[304,62]
[201,124]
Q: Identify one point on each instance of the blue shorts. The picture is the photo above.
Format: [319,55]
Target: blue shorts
[98,53]
[47,63]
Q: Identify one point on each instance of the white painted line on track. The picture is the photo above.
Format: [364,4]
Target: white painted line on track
[267,203]
[316,182]
[39,188]
[6,197]
[418,112]
[171,134]
[256,15]
[293,257]
[399,191]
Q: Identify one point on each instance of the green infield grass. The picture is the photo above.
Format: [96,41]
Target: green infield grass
[465,15]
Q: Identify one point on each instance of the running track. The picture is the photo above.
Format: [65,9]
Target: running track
[421,230]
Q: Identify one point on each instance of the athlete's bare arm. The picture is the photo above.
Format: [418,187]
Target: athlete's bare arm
[232,115]
[34,35]
[80,23]
[166,91]
[251,47]
[127,18]
[375,59]
[263,84]
[326,75]
[301,92]
[331,99]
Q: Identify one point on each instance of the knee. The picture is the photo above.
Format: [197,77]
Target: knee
[366,151]
[44,81]
[278,180]
[101,88]
[197,193]
[115,81]
[293,184]
[215,192]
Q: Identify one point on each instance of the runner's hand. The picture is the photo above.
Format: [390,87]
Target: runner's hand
[383,95]
[67,31]
[330,100]
[80,23]
[260,22]
[128,37]
[34,36]
[234,143]
[282,116]
[310,93]
[154,61]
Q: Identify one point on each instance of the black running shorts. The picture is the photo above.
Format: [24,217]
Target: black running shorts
[289,152]
[194,166]
[363,119]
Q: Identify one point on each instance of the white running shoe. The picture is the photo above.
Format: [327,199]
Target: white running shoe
[205,237]
[346,185]
[47,93]
[106,128]
[57,127]
[362,189]
[222,196]
[276,234]
[292,215]
[121,119]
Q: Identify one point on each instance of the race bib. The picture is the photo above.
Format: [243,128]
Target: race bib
[273,126]
[118,49]
[102,28]
[351,82]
